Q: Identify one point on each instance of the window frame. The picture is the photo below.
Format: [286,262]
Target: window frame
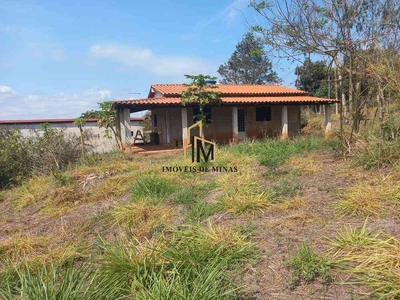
[155,121]
[196,111]
[266,118]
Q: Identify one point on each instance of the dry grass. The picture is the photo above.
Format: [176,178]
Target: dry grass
[223,237]
[365,199]
[247,204]
[305,165]
[112,187]
[21,246]
[144,218]
[37,250]
[297,202]
[34,190]
[370,260]
[295,220]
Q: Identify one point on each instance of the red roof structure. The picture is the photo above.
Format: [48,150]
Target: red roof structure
[168,95]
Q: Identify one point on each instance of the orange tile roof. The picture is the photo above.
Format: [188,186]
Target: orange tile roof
[169,90]
[230,100]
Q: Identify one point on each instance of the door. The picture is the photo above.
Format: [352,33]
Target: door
[241,123]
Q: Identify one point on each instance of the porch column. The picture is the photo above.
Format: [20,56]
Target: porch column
[125,127]
[285,127]
[235,130]
[167,127]
[185,141]
[328,123]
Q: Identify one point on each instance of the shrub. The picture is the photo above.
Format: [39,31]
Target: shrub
[46,150]
[14,157]
[372,151]
[52,149]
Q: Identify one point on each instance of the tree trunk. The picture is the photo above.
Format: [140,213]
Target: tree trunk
[82,141]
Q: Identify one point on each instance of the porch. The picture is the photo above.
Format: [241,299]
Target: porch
[224,124]
[148,149]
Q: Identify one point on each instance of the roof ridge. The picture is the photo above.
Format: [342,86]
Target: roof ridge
[226,84]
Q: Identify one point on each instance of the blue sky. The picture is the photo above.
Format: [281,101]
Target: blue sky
[59,58]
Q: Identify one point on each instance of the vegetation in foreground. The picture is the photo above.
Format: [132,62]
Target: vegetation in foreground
[116,226]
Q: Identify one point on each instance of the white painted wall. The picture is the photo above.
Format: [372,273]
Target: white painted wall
[98,141]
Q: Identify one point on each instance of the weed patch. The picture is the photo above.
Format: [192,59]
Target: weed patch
[200,210]
[192,265]
[305,265]
[274,152]
[152,187]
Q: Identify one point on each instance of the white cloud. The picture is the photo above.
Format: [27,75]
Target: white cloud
[150,62]
[61,105]
[6,90]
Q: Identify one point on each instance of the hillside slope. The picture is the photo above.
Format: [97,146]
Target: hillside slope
[295,221]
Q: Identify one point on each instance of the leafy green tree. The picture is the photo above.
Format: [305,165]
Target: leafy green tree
[107,118]
[313,78]
[200,91]
[248,64]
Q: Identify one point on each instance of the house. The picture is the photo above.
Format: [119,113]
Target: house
[96,135]
[246,111]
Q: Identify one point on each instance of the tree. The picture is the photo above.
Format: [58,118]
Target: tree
[341,31]
[107,118]
[200,91]
[249,64]
[90,114]
[147,125]
[80,122]
[313,77]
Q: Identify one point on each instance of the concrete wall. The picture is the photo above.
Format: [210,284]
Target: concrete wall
[97,140]
[220,128]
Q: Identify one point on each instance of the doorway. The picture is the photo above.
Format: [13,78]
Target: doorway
[241,123]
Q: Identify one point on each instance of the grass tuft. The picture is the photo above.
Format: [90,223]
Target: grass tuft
[364,199]
[190,264]
[371,260]
[143,218]
[153,187]
[305,265]
[34,190]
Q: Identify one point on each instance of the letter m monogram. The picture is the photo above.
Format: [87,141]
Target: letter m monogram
[200,150]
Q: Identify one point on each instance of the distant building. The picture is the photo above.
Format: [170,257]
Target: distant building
[97,135]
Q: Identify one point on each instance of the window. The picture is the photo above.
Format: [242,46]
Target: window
[206,112]
[263,113]
[154,120]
